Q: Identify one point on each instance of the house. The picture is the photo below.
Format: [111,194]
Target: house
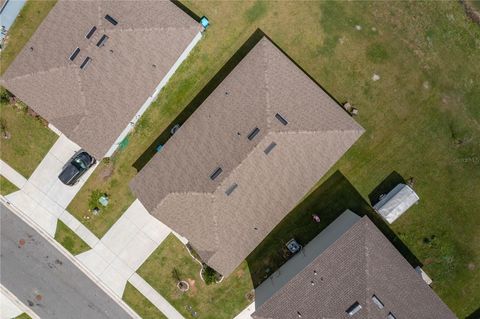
[93,67]
[396,202]
[350,270]
[245,158]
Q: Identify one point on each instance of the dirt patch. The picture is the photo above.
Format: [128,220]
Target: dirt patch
[471,11]
[471,266]
[106,172]
[191,283]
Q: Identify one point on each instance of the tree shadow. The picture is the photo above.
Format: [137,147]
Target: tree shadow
[199,98]
[385,186]
[328,201]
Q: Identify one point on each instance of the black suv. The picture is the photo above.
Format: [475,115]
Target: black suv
[76,167]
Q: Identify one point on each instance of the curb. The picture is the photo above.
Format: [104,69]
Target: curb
[70,257]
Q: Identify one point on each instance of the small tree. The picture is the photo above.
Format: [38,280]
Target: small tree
[209,275]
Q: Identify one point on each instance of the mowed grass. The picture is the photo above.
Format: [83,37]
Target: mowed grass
[68,239]
[29,139]
[216,301]
[422,116]
[6,187]
[142,306]
[23,316]
[30,17]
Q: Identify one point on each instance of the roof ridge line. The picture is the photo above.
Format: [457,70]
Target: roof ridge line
[131,29]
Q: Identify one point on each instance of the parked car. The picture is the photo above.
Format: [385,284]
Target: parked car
[76,167]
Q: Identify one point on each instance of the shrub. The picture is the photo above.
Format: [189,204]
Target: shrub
[93,200]
[210,276]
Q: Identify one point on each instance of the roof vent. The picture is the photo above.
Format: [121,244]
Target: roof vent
[391,316]
[231,189]
[111,20]
[85,62]
[74,54]
[102,41]
[91,32]
[270,148]
[353,309]
[281,119]
[215,173]
[377,302]
[253,133]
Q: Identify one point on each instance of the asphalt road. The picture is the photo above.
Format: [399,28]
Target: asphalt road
[44,279]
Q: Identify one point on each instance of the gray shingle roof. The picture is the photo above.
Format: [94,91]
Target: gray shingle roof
[175,185]
[360,264]
[94,105]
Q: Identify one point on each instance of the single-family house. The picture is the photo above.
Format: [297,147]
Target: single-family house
[93,67]
[246,157]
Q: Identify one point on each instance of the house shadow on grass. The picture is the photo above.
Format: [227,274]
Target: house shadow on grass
[385,186]
[474,315]
[199,98]
[328,201]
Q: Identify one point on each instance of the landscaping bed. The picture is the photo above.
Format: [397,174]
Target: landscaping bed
[402,64]
[171,263]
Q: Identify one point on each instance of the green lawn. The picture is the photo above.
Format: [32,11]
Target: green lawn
[422,116]
[23,316]
[29,139]
[6,187]
[68,239]
[222,300]
[25,24]
[140,304]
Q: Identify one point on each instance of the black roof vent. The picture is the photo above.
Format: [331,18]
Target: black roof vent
[215,173]
[111,20]
[231,189]
[270,148]
[391,316]
[102,41]
[85,62]
[91,32]
[281,119]
[74,54]
[253,133]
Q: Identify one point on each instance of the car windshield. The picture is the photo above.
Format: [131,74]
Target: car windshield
[78,163]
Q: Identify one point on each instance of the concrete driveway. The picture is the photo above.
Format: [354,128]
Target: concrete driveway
[44,197]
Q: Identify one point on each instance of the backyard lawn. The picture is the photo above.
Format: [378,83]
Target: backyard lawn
[6,187]
[222,300]
[29,139]
[421,115]
[140,304]
[25,24]
[68,239]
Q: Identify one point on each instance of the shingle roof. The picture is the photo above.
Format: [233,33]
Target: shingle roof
[175,185]
[94,105]
[360,264]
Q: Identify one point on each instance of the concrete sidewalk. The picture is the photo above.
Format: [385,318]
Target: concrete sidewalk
[12,175]
[115,257]
[125,247]
[43,197]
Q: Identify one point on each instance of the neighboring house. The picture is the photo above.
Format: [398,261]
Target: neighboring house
[246,157]
[93,67]
[350,270]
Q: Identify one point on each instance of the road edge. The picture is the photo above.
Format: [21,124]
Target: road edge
[70,257]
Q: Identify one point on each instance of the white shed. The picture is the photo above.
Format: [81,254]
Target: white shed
[396,202]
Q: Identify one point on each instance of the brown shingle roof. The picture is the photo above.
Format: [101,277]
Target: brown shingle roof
[175,185]
[360,264]
[94,105]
